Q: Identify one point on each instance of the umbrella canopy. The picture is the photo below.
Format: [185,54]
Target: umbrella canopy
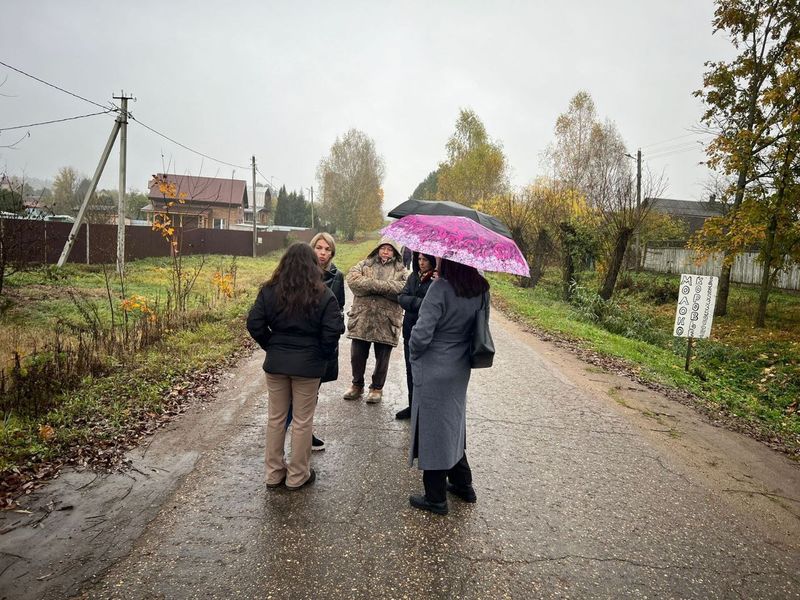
[459,239]
[445,207]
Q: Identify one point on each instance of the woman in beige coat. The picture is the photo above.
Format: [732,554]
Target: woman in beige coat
[375,316]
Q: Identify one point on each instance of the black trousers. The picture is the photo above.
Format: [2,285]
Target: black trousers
[436,481]
[409,376]
[359,352]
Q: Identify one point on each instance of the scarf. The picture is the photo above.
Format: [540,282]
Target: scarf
[423,277]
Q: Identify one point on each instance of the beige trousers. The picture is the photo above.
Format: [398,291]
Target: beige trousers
[301,394]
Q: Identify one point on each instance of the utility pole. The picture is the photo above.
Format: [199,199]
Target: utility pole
[638,159]
[638,177]
[255,211]
[92,187]
[122,118]
[637,249]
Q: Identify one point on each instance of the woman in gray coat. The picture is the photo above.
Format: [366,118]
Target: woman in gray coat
[439,351]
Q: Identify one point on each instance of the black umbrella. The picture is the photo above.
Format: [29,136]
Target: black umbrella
[445,207]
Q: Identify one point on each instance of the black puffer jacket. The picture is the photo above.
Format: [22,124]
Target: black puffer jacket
[411,299]
[296,345]
[334,279]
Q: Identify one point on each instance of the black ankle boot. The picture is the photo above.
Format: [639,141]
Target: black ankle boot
[422,503]
[465,492]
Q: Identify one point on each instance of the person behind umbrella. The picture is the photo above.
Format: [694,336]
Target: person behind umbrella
[325,248]
[410,299]
[439,352]
[297,320]
[408,258]
[375,316]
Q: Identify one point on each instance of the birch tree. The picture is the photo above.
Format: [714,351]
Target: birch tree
[349,180]
[476,168]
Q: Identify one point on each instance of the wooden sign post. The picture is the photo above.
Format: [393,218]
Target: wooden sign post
[695,312]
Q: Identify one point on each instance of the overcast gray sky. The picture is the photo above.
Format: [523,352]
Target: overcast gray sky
[281,80]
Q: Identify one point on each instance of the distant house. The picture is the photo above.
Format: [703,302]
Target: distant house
[205,202]
[35,208]
[263,212]
[694,214]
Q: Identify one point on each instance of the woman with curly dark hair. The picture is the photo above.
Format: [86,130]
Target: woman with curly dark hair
[297,320]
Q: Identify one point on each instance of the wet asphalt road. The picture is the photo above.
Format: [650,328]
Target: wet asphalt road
[575,500]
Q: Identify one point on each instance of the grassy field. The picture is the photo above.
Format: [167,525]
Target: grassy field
[127,394]
[752,374]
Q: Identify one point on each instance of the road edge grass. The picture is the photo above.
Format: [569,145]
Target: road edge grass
[658,368]
[97,423]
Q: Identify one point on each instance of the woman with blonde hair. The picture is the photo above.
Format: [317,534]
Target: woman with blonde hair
[297,320]
[324,247]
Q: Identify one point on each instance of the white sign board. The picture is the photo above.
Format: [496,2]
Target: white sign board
[696,299]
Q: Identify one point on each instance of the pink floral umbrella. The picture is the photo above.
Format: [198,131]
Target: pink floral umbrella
[459,239]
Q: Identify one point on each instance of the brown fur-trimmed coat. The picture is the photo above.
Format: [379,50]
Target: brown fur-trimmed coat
[375,315]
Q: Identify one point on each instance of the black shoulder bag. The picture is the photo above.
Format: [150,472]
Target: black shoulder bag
[481,351]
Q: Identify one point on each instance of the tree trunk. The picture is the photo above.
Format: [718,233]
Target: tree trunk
[539,252]
[769,244]
[568,264]
[721,308]
[766,278]
[623,237]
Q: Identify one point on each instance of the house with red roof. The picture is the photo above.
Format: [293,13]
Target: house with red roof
[197,202]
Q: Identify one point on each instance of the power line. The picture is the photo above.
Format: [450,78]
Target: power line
[672,152]
[184,146]
[680,146]
[266,181]
[12,146]
[115,109]
[105,112]
[674,138]
[60,89]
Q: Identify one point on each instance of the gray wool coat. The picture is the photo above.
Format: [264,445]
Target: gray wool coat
[439,350]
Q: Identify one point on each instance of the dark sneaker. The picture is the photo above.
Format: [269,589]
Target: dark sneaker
[317,445]
[311,479]
[403,414]
[276,485]
[466,492]
[422,503]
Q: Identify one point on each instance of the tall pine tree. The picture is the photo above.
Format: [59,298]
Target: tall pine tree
[282,207]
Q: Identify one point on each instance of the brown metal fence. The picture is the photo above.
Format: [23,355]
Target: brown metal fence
[43,241]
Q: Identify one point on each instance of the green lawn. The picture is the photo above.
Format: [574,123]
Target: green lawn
[130,392]
[753,374]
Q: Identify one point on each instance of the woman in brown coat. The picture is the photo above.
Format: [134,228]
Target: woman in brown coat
[375,316]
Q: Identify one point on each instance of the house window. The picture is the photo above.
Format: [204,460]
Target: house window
[219,223]
[201,222]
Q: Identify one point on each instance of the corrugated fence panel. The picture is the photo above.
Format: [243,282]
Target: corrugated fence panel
[43,241]
[746,268]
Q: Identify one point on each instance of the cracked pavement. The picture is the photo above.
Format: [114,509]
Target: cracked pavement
[580,495]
